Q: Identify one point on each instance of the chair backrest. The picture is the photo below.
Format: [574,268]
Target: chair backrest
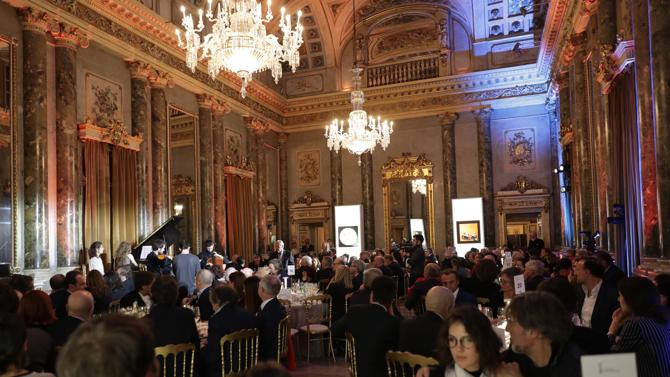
[114,306]
[282,338]
[395,282]
[239,352]
[405,364]
[347,301]
[420,305]
[406,281]
[350,354]
[176,359]
[483,300]
[318,309]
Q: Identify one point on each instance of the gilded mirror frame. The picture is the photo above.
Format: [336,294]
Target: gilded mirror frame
[195,242]
[408,168]
[16,261]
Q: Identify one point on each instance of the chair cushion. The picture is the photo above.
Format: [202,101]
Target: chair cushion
[315,329]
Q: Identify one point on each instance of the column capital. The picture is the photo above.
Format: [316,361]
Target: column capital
[36,20]
[139,69]
[256,125]
[482,114]
[160,79]
[217,106]
[448,118]
[283,138]
[69,36]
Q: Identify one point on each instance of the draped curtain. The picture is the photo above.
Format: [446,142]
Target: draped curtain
[626,166]
[124,196]
[239,216]
[97,208]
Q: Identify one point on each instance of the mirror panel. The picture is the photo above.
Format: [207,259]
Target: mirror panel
[184,171]
[8,113]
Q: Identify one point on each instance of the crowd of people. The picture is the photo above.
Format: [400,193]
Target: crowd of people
[403,299]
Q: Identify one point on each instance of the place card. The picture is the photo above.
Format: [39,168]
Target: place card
[519,285]
[610,365]
[291,270]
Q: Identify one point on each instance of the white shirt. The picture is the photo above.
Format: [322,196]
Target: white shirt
[95,263]
[589,304]
[266,302]
[146,299]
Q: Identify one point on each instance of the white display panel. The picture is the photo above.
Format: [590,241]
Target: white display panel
[349,230]
[416,227]
[468,218]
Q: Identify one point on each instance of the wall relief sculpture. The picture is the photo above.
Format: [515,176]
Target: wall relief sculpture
[233,146]
[411,39]
[309,168]
[104,101]
[520,148]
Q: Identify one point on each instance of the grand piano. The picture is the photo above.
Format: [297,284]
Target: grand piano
[168,232]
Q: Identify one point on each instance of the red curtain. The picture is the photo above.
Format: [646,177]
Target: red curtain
[239,216]
[97,206]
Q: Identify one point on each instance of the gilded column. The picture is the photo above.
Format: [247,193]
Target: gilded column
[139,119]
[483,119]
[35,138]
[550,105]
[645,121]
[563,79]
[335,178]
[218,174]
[368,200]
[255,147]
[206,166]
[68,214]
[448,122]
[284,229]
[660,55]
[159,153]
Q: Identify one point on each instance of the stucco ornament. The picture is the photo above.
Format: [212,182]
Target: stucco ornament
[520,148]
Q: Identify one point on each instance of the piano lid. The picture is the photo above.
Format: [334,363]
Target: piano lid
[168,232]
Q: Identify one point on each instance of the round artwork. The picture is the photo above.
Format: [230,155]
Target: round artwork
[348,237]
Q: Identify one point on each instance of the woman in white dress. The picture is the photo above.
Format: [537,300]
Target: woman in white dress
[94,260]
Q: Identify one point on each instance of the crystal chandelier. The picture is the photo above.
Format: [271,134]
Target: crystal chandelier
[238,41]
[419,186]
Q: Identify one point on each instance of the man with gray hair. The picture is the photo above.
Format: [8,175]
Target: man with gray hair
[267,320]
[362,296]
[203,282]
[419,335]
[80,306]
[533,274]
[431,278]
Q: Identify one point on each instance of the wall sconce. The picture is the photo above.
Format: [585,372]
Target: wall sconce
[178,208]
[565,189]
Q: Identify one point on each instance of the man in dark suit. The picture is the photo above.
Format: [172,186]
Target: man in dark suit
[378,262]
[267,320]
[170,323]
[535,245]
[362,296]
[397,271]
[416,261]
[451,280]
[228,318]
[612,274]
[431,274]
[419,335]
[597,301]
[74,281]
[203,282]
[374,328]
[79,310]
[141,295]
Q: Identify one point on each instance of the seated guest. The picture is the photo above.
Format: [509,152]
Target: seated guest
[237,280]
[483,284]
[306,271]
[74,281]
[186,266]
[13,338]
[22,283]
[533,274]
[325,273]
[141,295]
[507,282]
[57,282]
[378,262]
[100,291]
[9,301]
[374,329]
[642,326]
[267,320]
[612,274]
[396,270]
[596,301]
[362,296]
[540,331]
[36,312]
[203,282]
[663,284]
[114,345]
[451,280]
[158,262]
[117,287]
[255,263]
[339,286]
[252,301]
[80,306]
[563,269]
[431,274]
[170,323]
[467,347]
[357,268]
[419,335]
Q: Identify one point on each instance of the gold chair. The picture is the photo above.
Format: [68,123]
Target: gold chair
[282,338]
[405,364]
[420,305]
[318,315]
[484,301]
[347,301]
[239,352]
[406,285]
[114,306]
[395,282]
[350,354]
[175,361]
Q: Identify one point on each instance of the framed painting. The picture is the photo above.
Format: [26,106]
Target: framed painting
[469,231]
[520,149]
[104,101]
[309,168]
[233,146]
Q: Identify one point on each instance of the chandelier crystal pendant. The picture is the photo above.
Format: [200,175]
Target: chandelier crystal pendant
[238,41]
[419,186]
[364,132]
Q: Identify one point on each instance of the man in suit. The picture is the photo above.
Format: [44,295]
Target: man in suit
[228,318]
[396,270]
[533,274]
[374,328]
[451,280]
[141,295]
[285,257]
[597,301]
[74,281]
[362,296]
[79,310]
[612,274]
[416,261]
[419,335]
[170,323]
[203,282]
[535,245]
[431,274]
[267,320]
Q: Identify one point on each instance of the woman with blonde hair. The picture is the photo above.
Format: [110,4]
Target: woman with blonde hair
[125,261]
[338,288]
